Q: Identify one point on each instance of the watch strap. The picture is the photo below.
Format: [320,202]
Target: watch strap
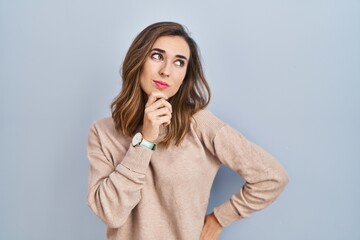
[147,144]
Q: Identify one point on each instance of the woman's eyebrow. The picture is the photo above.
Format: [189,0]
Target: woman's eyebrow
[163,51]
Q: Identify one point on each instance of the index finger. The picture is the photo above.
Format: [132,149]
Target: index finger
[154,96]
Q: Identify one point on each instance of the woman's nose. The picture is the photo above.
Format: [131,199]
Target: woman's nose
[165,70]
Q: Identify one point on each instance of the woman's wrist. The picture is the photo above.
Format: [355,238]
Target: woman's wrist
[147,144]
[139,140]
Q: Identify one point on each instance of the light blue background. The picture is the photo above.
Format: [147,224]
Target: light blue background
[284,73]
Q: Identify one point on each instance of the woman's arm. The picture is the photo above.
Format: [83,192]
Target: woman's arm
[264,177]
[115,190]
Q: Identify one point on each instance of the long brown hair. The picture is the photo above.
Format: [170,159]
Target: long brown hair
[193,95]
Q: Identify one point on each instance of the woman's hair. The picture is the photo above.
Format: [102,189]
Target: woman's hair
[193,95]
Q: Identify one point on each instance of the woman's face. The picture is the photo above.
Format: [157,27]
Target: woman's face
[165,67]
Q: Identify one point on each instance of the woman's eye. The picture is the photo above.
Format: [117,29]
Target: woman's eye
[179,63]
[157,56]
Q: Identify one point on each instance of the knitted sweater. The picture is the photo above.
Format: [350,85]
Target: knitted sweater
[163,194]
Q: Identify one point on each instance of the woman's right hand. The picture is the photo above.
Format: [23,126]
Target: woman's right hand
[157,112]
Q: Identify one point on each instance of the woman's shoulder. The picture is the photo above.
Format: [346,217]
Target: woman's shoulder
[204,121]
[104,122]
[104,125]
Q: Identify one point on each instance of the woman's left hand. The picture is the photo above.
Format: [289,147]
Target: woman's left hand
[211,229]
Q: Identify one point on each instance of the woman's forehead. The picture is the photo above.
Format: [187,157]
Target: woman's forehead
[173,45]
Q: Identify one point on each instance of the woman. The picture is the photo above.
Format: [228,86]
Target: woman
[153,162]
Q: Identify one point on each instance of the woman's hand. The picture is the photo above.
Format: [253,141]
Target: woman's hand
[157,112]
[211,229]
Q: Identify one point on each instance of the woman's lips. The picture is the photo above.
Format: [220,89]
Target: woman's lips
[160,84]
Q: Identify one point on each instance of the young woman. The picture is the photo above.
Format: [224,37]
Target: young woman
[153,162]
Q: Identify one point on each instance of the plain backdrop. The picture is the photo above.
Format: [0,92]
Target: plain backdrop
[286,74]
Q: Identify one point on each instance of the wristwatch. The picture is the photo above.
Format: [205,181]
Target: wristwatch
[138,140]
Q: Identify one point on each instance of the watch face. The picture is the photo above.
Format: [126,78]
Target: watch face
[136,139]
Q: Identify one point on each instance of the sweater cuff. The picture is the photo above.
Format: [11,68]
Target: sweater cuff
[226,214]
[137,159]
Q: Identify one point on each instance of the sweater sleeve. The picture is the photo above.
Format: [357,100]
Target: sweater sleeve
[264,177]
[114,191]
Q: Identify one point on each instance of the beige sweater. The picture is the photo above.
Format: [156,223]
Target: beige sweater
[163,194]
